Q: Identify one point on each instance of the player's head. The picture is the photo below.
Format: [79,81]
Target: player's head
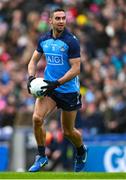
[58,20]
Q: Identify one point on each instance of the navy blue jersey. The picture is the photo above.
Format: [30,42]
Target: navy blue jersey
[57,53]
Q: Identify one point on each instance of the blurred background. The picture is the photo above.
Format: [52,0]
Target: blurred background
[100,26]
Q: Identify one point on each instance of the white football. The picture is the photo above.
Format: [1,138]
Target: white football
[36,85]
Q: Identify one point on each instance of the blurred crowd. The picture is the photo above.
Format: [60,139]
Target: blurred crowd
[100,26]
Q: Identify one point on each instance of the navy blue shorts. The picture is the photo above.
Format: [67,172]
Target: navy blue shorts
[66,101]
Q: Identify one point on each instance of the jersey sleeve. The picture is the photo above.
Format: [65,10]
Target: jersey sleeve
[39,47]
[74,48]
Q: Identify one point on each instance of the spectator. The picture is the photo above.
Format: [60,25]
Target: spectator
[54,142]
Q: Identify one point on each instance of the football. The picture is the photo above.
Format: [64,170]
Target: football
[35,87]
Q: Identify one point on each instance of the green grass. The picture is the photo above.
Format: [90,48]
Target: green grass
[61,175]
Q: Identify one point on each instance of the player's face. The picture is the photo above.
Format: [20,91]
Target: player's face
[58,21]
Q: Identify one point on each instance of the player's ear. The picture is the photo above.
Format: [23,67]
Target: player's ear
[50,21]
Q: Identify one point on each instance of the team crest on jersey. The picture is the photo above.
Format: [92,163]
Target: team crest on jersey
[62,49]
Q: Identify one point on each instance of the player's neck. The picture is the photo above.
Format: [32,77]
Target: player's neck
[56,34]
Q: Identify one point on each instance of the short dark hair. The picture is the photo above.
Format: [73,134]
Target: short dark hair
[56,10]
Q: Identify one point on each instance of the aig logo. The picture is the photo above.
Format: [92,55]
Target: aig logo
[54,59]
[115,159]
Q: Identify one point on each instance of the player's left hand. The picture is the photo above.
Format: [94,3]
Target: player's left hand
[51,85]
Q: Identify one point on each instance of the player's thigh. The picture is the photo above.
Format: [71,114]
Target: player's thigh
[44,106]
[68,119]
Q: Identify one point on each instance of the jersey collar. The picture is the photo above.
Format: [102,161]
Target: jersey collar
[61,36]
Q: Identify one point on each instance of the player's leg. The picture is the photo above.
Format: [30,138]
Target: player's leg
[69,130]
[43,107]
[68,127]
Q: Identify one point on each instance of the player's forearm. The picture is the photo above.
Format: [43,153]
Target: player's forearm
[31,68]
[33,63]
[74,71]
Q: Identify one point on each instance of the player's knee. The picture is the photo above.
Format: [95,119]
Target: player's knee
[37,120]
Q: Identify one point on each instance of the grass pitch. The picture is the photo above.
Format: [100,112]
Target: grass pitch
[61,175]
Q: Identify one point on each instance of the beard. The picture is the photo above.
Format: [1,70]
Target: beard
[60,30]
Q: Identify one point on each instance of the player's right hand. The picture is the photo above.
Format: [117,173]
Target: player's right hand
[30,78]
[51,85]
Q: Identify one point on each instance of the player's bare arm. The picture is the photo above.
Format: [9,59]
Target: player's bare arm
[33,63]
[74,70]
[32,68]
